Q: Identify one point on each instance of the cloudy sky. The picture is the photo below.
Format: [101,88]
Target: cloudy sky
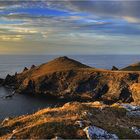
[69,27]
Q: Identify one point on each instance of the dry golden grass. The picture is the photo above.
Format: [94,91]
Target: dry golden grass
[60,121]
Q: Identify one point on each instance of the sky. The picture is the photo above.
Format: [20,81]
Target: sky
[69,27]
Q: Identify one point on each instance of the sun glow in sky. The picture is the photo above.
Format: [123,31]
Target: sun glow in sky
[69,27]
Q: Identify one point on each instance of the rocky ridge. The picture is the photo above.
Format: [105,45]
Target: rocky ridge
[69,79]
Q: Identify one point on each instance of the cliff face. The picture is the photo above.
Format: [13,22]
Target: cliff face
[67,78]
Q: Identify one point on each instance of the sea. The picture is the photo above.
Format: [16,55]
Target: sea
[21,104]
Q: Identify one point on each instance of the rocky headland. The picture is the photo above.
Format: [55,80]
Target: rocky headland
[68,79]
[109,108]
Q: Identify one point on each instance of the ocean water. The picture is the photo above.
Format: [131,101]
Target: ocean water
[9,64]
[23,104]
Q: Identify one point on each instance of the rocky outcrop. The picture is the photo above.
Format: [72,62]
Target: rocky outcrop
[94,132]
[10,80]
[114,68]
[67,78]
[25,69]
[33,66]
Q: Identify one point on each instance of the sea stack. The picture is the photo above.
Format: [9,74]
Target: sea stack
[114,68]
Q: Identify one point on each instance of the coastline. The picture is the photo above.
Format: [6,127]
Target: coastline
[109,102]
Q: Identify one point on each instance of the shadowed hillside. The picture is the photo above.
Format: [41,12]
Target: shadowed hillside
[133,67]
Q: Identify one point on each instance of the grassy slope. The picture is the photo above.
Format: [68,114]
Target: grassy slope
[132,67]
[51,122]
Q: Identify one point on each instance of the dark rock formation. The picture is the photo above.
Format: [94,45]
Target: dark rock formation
[1,81]
[114,68]
[33,66]
[9,80]
[25,69]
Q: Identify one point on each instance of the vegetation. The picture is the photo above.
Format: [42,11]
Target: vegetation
[62,122]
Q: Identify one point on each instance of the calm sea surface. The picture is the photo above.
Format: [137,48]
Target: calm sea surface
[23,104]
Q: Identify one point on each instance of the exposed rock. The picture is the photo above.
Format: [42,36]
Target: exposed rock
[133,111]
[82,123]
[133,114]
[65,122]
[114,68]
[126,95]
[94,132]
[33,66]
[25,69]
[136,130]
[69,79]
[9,80]
[130,107]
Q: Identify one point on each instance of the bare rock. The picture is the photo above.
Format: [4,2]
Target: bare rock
[33,66]
[25,69]
[94,132]
[136,130]
[114,68]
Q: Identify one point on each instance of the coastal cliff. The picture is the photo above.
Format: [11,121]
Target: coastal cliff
[66,78]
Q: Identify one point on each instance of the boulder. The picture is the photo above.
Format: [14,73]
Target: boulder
[94,132]
[136,130]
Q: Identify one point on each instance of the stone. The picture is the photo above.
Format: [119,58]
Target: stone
[133,114]
[94,132]
[130,107]
[136,130]
[25,69]
[80,123]
[114,68]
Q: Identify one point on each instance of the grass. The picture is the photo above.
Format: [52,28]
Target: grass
[61,121]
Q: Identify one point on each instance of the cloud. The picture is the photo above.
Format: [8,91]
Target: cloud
[68,24]
[11,37]
[131,19]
